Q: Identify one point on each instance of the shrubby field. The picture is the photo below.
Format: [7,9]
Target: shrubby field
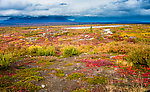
[55,59]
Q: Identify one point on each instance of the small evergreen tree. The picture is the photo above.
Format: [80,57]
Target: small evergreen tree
[91,29]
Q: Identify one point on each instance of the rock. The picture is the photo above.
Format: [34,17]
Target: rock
[43,86]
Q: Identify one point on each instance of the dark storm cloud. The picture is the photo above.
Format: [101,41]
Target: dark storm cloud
[104,8]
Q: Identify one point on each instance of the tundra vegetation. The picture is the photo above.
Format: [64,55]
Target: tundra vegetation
[52,58]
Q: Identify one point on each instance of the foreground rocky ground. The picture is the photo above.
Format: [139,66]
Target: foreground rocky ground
[53,60]
[83,73]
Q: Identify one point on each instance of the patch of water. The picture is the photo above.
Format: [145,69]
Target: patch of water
[95,27]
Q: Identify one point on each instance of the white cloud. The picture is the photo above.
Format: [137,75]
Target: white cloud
[73,7]
[145,11]
[9,12]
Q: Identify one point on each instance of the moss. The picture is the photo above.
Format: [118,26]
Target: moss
[58,73]
[97,80]
[23,86]
[5,81]
[81,90]
[75,76]
[45,62]
[66,65]
[21,80]
[22,73]
[31,78]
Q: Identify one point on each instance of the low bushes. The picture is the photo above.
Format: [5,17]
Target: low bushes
[140,56]
[48,51]
[120,47]
[19,52]
[51,51]
[70,51]
[33,50]
[41,51]
[5,60]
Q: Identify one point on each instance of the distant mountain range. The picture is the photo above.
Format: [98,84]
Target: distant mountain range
[54,20]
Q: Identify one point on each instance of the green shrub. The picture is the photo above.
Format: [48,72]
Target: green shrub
[5,60]
[70,51]
[114,31]
[122,28]
[140,56]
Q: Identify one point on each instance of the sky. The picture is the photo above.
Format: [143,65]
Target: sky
[74,7]
[100,8]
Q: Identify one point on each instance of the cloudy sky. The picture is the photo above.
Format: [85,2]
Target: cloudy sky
[103,8]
